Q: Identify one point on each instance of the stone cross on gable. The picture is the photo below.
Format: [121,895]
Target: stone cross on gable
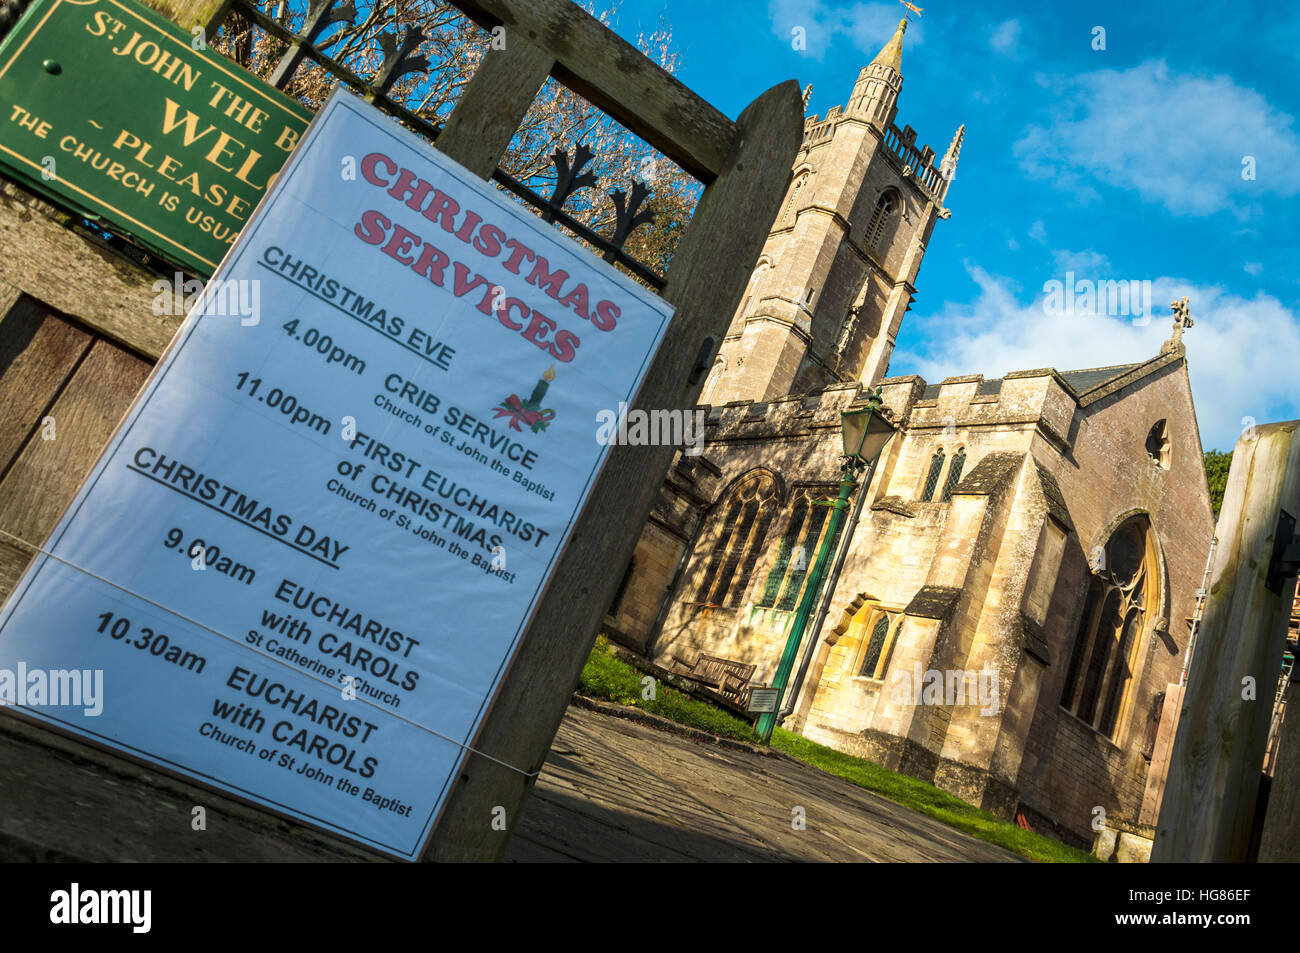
[1182,317]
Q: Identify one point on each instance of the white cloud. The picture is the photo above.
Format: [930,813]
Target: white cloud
[1038,231]
[1088,263]
[1005,37]
[1176,138]
[1253,267]
[868,26]
[1241,351]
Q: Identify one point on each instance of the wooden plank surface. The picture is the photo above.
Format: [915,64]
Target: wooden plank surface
[47,473]
[612,74]
[38,351]
[489,113]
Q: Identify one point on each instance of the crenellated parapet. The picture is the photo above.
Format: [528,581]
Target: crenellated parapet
[1041,398]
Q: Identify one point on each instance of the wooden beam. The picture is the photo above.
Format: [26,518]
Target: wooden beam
[121,304]
[706,280]
[636,91]
[489,113]
[1218,751]
[206,14]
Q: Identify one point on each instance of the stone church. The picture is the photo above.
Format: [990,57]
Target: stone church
[1030,544]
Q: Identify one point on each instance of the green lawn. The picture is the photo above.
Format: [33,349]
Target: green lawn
[608,677]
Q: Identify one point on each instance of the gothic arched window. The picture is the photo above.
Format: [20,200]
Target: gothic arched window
[954,475]
[738,540]
[875,645]
[1121,598]
[932,478]
[885,205]
[796,551]
[799,183]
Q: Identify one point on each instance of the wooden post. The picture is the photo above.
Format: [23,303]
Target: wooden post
[705,282]
[1218,752]
[1280,840]
[494,104]
[206,14]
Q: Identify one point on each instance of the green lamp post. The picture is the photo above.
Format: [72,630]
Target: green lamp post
[865,433]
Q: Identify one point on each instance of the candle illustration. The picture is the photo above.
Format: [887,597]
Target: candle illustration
[535,400]
[529,413]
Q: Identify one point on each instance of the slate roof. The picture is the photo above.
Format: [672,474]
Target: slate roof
[1080,381]
[1086,380]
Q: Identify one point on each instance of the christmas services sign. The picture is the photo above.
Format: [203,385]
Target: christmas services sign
[306,557]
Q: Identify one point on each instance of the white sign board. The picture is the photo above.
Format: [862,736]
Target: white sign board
[307,555]
[763,699]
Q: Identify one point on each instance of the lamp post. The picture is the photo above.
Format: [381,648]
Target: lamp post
[865,433]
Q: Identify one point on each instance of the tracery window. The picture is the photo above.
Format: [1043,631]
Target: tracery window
[740,532]
[797,550]
[1121,598]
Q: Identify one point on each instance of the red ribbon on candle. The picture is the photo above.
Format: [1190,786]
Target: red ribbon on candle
[513,408]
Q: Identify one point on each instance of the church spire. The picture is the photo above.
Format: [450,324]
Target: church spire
[891,54]
[876,91]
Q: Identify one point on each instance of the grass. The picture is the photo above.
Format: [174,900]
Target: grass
[608,677]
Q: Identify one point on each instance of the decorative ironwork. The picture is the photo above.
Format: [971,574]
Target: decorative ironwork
[320,15]
[567,177]
[377,94]
[628,214]
[398,60]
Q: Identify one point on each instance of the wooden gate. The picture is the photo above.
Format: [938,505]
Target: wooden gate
[78,336]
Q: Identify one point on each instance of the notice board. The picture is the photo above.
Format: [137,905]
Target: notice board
[115,111]
[306,557]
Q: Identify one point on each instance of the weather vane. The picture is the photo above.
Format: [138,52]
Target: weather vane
[911,6]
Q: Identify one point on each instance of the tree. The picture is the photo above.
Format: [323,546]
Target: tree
[454,47]
[1217,464]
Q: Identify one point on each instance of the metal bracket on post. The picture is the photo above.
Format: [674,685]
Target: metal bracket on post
[1285,562]
[701,361]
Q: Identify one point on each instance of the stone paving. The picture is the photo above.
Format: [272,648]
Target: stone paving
[613,790]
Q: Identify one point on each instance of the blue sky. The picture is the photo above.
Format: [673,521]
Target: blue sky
[1124,163]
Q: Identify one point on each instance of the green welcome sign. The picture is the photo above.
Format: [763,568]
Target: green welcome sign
[110,109]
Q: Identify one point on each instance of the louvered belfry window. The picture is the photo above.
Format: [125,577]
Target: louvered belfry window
[876,227]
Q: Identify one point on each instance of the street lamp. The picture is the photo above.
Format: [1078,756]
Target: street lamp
[865,432]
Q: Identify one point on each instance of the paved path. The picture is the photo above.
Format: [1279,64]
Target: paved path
[613,790]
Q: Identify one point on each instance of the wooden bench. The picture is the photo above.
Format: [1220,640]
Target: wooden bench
[726,676]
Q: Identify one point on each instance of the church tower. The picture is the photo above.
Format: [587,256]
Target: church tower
[837,272]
